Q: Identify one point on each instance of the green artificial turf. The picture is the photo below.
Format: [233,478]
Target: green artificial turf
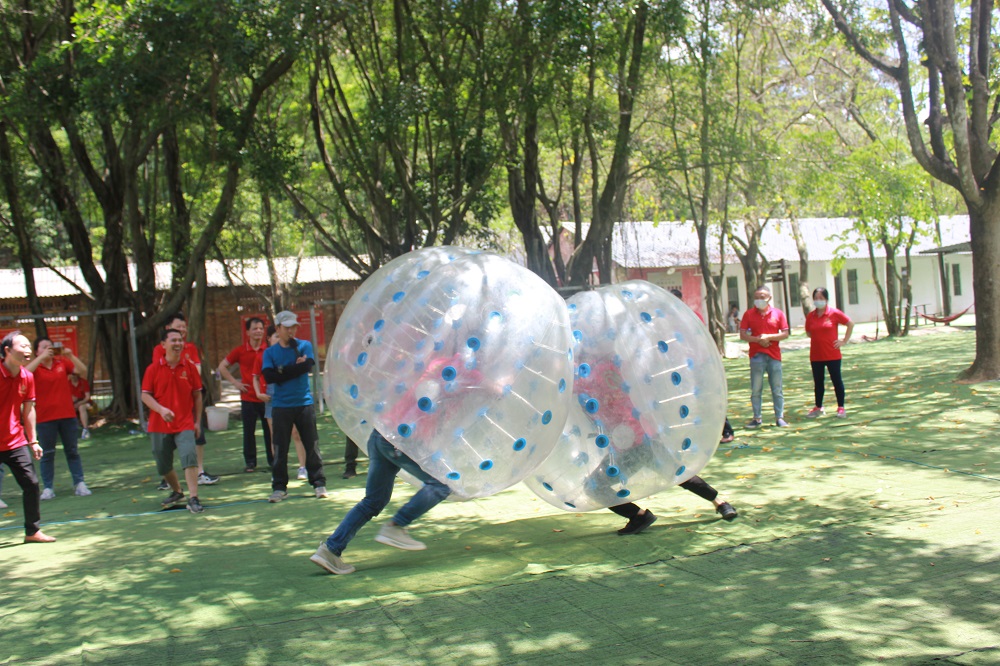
[870,539]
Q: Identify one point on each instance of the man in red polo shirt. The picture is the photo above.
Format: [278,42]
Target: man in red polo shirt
[251,407]
[17,439]
[171,389]
[764,327]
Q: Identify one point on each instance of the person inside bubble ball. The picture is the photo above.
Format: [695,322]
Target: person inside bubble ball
[604,381]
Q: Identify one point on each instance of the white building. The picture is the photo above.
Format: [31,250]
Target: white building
[666,254]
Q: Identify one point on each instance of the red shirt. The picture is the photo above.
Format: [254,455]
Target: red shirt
[52,388]
[174,388]
[190,353]
[15,390]
[247,357]
[822,330]
[258,366]
[80,390]
[770,321]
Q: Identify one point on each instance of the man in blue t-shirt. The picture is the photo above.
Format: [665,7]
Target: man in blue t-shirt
[286,366]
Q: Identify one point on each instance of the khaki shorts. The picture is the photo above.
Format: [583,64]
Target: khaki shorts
[164,446]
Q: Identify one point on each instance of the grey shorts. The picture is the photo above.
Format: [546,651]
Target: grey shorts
[164,446]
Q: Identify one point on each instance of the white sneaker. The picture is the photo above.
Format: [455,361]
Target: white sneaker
[321,492]
[48,494]
[82,490]
[303,475]
[325,558]
[3,505]
[85,434]
[397,537]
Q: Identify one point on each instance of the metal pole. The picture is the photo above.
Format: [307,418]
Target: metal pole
[135,371]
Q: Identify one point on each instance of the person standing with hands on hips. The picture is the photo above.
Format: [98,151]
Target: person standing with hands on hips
[286,365]
[822,326]
[764,327]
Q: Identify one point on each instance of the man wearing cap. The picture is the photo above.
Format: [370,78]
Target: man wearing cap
[286,366]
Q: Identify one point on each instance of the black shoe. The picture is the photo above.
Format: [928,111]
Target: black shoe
[163,485]
[349,474]
[194,505]
[175,498]
[727,511]
[638,524]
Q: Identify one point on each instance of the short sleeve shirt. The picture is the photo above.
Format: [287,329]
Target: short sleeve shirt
[15,390]
[822,330]
[295,392]
[80,390]
[246,356]
[255,372]
[174,388]
[189,353]
[769,322]
[54,400]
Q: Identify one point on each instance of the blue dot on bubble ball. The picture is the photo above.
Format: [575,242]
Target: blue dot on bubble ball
[354,391]
[379,406]
[398,296]
[473,343]
[425,404]
[496,316]
[562,385]
[685,411]
[662,346]
[645,316]
[592,406]
[686,444]
[602,441]
[627,294]
[675,378]
[453,475]
[486,465]
[404,430]
[623,493]
[449,373]
[546,417]
[520,443]
[570,505]
[439,345]
[379,324]
[583,370]
[422,274]
[680,470]
[546,486]
[362,358]
[613,471]
[578,336]
[400,388]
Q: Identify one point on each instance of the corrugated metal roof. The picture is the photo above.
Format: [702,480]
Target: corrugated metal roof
[69,279]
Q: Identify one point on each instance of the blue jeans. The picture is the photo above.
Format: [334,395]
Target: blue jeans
[48,433]
[758,365]
[385,463]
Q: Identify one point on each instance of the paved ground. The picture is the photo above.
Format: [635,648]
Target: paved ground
[864,540]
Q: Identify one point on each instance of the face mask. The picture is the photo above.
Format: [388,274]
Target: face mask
[760,303]
[819,304]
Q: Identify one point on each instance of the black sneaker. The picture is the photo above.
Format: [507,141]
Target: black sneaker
[174,499]
[163,485]
[727,511]
[638,524]
[194,505]
[349,473]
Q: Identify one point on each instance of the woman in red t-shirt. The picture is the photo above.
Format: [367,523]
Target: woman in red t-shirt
[824,349]
[79,389]
[54,412]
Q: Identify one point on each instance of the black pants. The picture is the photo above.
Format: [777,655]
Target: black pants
[818,368]
[351,452]
[23,468]
[695,484]
[250,413]
[303,419]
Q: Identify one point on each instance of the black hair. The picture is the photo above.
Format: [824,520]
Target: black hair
[175,316]
[821,290]
[168,331]
[7,343]
[271,330]
[250,322]
[39,341]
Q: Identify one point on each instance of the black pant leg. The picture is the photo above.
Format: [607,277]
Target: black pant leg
[700,487]
[22,467]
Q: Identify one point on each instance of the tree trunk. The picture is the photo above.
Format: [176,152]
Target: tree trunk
[984,227]
[887,314]
[805,293]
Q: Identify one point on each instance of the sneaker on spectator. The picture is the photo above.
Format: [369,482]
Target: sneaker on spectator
[841,413]
[321,492]
[349,473]
[815,412]
[781,423]
[48,494]
[397,537]
[163,485]
[85,434]
[325,558]
[194,505]
[3,505]
[82,490]
[753,423]
[303,474]
[277,496]
[206,479]
[174,498]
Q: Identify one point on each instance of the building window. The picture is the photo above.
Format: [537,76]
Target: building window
[838,291]
[956,279]
[733,291]
[852,286]
[793,288]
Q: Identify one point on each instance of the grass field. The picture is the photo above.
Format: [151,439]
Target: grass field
[865,540]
